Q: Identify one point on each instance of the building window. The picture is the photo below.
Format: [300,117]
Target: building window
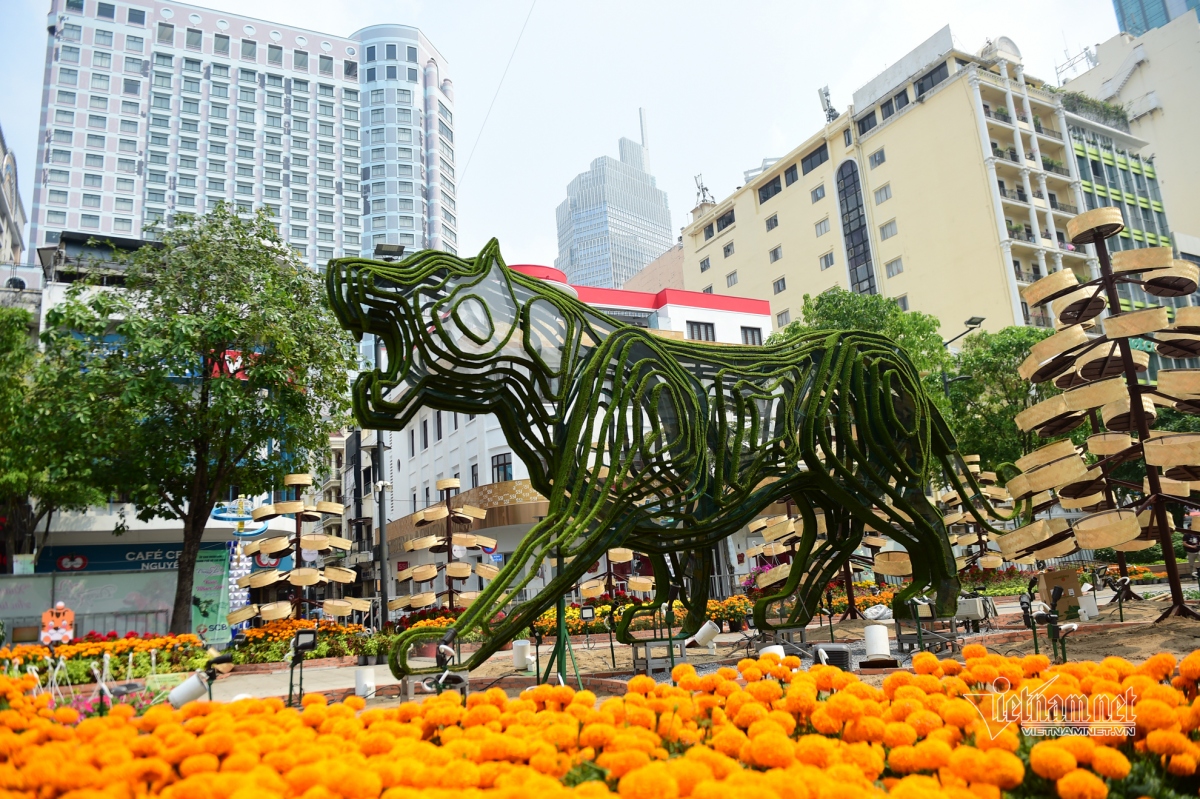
[752,336]
[502,468]
[932,78]
[902,300]
[772,221]
[783,318]
[725,220]
[776,253]
[106,11]
[814,159]
[826,261]
[894,268]
[412,443]
[769,189]
[854,227]
[883,194]
[887,230]
[780,285]
[704,264]
[877,158]
[89,221]
[846,137]
[887,109]
[701,331]
[790,175]
[424,434]
[822,227]
[818,193]
[437,425]
[901,99]
[867,122]
[727,250]
[708,229]
[706,290]
[166,33]
[249,49]
[731,279]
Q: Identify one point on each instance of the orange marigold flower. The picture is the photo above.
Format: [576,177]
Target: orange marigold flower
[898,733]
[974,651]
[688,773]
[903,759]
[1167,742]
[1082,748]
[931,755]
[641,684]
[1153,714]
[772,750]
[1050,761]
[923,721]
[1111,763]
[765,691]
[1182,765]
[198,764]
[1081,784]
[621,763]
[925,663]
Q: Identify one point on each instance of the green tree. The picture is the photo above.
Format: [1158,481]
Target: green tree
[224,366]
[984,404]
[918,333]
[50,440]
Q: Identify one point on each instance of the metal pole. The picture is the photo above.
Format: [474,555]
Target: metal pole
[449,553]
[381,553]
[560,643]
[1143,429]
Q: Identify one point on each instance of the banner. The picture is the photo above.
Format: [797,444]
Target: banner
[210,596]
[114,557]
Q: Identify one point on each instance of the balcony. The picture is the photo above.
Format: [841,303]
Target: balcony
[1001,116]
[1047,132]
[1057,169]
[1016,196]
[1026,277]
[1008,155]
[1038,319]
[1066,209]
[1022,235]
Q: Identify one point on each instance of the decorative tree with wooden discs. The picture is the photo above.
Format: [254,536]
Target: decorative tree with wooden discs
[1105,385]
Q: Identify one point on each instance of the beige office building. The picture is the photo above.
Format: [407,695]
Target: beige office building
[946,186]
[1153,77]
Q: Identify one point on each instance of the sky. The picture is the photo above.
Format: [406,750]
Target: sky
[725,84]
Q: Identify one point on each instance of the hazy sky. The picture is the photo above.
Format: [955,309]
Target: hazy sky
[725,84]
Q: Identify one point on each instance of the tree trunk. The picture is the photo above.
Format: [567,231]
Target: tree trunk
[193,531]
[18,522]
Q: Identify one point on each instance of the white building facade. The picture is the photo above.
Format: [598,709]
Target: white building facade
[154,109]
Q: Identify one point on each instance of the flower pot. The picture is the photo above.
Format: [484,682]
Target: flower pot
[425,650]
[507,647]
[735,625]
[362,660]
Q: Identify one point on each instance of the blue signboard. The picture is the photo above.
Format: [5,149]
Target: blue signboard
[113,557]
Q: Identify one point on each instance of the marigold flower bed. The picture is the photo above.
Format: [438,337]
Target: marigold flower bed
[762,731]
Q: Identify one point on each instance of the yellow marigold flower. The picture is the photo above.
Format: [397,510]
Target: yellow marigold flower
[968,763]
[1163,693]
[1166,742]
[1182,765]
[621,763]
[844,706]
[688,773]
[925,663]
[903,759]
[815,750]
[765,691]
[867,728]
[1189,667]
[1159,666]
[1081,784]
[923,721]
[641,684]
[898,733]
[721,765]
[772,750]
[729,741]
[974,651]
[824,723]
[1153,714]
[1051,761]
[931,755]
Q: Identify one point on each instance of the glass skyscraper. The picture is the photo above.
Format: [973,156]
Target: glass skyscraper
[614,221]
[1135,17]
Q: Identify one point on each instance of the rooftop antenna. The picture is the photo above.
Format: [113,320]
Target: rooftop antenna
[1085,60]
[702,193]
[830,112]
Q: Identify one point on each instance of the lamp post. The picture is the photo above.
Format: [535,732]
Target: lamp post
[972,325]
[389,253]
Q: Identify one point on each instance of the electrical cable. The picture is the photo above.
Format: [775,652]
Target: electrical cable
[462,175]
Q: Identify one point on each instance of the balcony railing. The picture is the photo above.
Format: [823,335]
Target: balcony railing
[1038,319]
[1021,235]
[1008,155]
[1038,193]
[1000,115]
[1049,132]
[1019,196]
[1026,277]
[1058,170]
[1066,209]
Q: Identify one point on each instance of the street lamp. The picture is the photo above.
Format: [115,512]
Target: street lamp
[972,324]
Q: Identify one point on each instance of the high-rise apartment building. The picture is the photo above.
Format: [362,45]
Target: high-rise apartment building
[1149,81]
[615,219]
[12,210]
[154,109]
[1135,17]
[946,186]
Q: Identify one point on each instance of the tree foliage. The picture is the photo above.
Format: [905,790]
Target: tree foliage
[221,364]
[50,439]
[985,403]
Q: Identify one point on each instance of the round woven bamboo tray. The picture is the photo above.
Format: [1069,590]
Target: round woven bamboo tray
[335,508]
[359,604]
[340,574]
[1095,225]
[1043,455]
[1078,307]
[304,576]
[336,607]
[466,598]
[1069,379]
[1060,472]
[399,603]
[777,531]
[264,513]
[1040,290]
[754,552]
[1142,259]
[1108,443]
[466,540]
[1088,501]
[1179,280]
[1179,382]
[292,506]
[640,583]
[1136,545]
[961,563]
[264,578]
[1117,415]
[1107,529]
[591,589]
[774,549]
[336,542]
[486,571]
[1136,323]
[1094,395]
[1105,361]
[424,573]
[297,479]
[1172,488]
[1024,538]
[876,541]
[250,547]
[991,562]
[620,555]
[950,498]
[273,611]
[1091,482]
[405,574]
[458,570]
[1061,342]
[309,514]
[243,582]
[270,546]
[893,564]
[423,600]
[1178,346]
[1018,486]
[242,614]
[435,513]
[484,542]
[447,483]
[1187,319]
[314,541]
[1045,411]
[757,524]
[1028,560]
[951,539]
[424,542]
[1059,550]
[967,539]
[776,575]
[953,518]
[1176,450]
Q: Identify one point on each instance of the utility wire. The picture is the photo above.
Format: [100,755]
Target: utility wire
[516,44]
